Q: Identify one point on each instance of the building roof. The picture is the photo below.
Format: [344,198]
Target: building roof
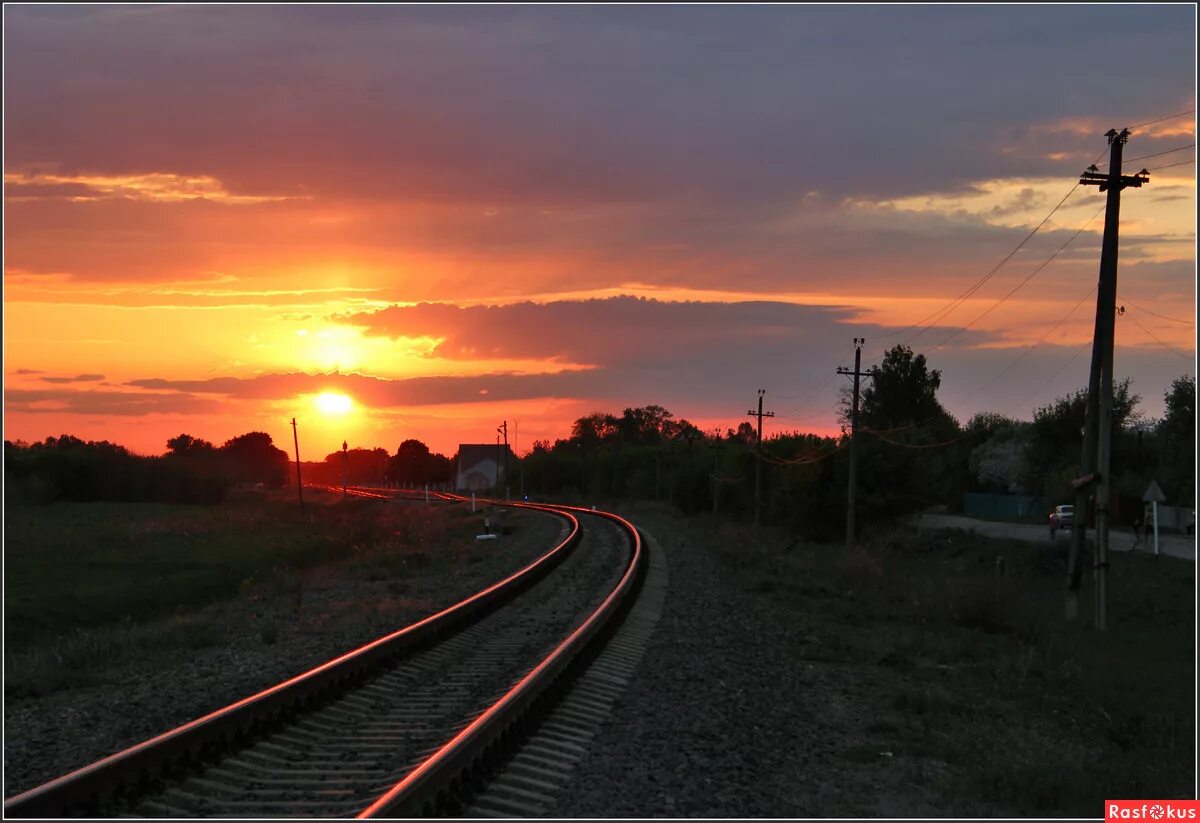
[470,454]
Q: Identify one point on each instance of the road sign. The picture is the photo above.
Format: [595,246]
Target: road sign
[1154,494]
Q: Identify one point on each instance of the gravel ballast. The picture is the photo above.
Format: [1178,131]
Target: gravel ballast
[723,720]
[267,637]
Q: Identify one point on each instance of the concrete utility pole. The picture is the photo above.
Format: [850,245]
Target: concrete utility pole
[345,468]
[299,487]
[503,429]
[760,414]
[1097,436]
[851,489]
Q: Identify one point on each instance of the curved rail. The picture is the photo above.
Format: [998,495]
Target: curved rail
[436,782]
[87,785]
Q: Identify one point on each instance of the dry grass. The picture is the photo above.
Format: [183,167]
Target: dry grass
[981,691]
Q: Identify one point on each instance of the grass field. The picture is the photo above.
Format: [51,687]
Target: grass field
[982,691]
[78,566]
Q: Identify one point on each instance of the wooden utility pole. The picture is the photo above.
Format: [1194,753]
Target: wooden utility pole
[851,489]
[760,414]
[1097,443]
[299,486]
[345,468]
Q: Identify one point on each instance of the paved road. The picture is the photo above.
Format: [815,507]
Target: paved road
[1175,545]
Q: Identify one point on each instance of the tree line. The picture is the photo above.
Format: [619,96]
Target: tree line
[911,454]
[192,471]
[413,464]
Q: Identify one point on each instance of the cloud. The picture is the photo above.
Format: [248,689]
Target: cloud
[568,105]
[155,187]
[79,378]
[120,403]
[628,331]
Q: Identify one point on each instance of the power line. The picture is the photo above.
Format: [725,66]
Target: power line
[1161,119]
[951,442]
[995,269]
[1166,346]
[1078,351]
[1172,165]
[1031,347]
[1156,154]
[944,311]
[1014,289]
[1152,314]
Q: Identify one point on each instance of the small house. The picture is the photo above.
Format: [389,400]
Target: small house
[479,467]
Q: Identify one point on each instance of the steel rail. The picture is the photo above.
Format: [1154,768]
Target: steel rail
[87,786]
[435,784]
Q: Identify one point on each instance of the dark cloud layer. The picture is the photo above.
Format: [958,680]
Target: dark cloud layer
[121,403]
[599,104]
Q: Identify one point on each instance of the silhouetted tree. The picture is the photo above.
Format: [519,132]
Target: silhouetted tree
[253,458]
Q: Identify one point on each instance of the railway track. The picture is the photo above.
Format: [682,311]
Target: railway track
[411,724]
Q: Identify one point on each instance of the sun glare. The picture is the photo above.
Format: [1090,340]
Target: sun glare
[333,403]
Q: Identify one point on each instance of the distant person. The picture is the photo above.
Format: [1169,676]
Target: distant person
[1138,526]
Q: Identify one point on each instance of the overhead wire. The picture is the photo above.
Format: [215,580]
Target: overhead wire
[1156,154]
[1161,119]
[1124,299]
[1160,342]
[943,312]
[1078,351]
[1173,165]
[1031,347]
[1014,289]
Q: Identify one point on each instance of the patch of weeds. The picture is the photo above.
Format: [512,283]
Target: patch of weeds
[764,585]
[881,726]
[924,702]
[1040,786]
[899,660]
[269,634]
[867,753]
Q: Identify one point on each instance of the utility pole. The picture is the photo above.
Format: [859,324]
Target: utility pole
[851,490]
[760,414]
[503,429]
[716,478]
[299,486]
[345,468]
[497,473]
[1097,435]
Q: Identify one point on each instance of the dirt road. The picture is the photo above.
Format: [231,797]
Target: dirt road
[1176,545]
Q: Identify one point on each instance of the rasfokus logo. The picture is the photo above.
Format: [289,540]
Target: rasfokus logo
[1151,810]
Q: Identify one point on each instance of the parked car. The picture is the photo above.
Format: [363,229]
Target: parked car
[1063,517]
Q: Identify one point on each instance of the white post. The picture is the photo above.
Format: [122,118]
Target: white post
[472,502]
[426,492]
[1155,505]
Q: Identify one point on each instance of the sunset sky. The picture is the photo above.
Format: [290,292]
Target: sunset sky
[453,216]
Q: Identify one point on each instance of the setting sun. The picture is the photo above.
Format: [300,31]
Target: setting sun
[333,403]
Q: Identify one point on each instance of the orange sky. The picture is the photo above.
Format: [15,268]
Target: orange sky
[211,262]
